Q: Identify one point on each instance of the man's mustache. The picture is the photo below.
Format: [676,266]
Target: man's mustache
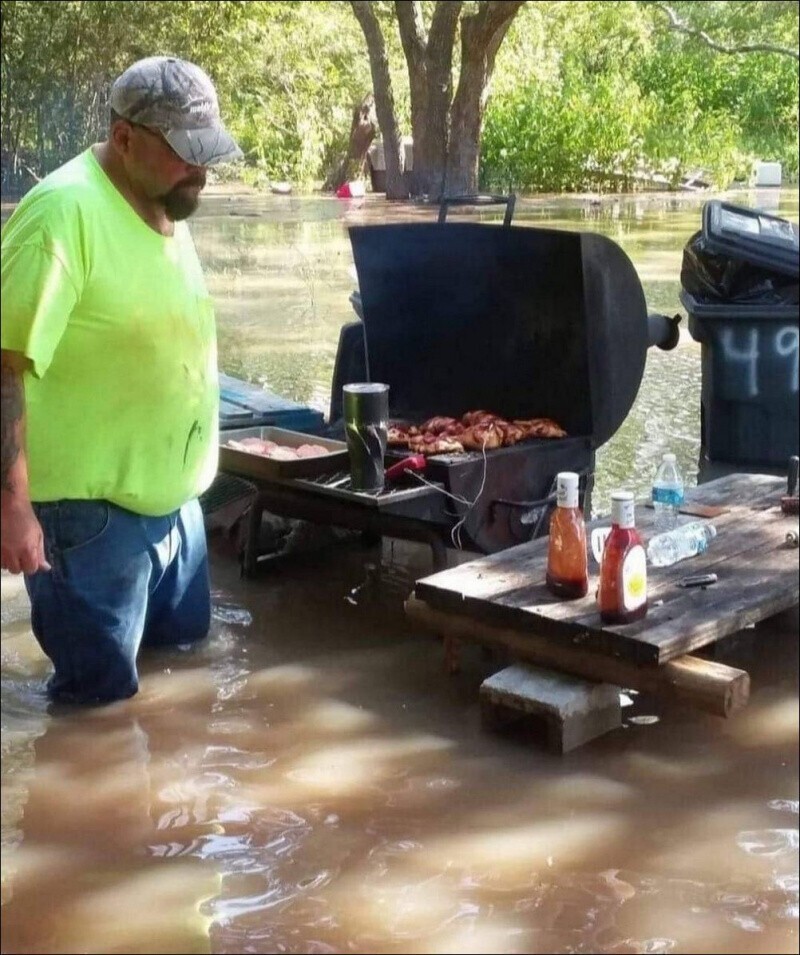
[199,180]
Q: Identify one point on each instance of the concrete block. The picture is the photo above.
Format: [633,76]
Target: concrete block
[572,710]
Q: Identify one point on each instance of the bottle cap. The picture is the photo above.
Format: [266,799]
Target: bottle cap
[622,509]
[567,480]
[567,483]
[669,458]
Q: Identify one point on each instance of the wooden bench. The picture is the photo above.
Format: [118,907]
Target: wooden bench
[501,601]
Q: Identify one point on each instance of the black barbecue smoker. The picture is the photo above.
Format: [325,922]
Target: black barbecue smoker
[456,317]
[523,322]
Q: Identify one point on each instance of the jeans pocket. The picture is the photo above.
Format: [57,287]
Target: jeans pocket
[81,523]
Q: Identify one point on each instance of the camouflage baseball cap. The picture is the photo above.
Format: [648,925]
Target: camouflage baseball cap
[178,99]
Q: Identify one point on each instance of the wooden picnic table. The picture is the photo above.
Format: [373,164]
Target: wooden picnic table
[502,600]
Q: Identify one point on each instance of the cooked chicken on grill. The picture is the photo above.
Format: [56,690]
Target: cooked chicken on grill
[475,431]
[434,444]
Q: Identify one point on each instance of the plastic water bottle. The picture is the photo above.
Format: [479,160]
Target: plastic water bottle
[680,543]
[667,494]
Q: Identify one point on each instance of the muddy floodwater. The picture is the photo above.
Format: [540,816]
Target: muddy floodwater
[310,780]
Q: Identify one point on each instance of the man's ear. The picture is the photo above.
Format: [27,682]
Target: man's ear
[120,136]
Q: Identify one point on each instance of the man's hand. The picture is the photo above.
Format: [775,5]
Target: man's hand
[21,537]
[22,540]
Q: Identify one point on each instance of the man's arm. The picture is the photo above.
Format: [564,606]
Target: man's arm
[22,539]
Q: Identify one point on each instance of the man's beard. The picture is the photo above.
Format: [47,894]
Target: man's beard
[179,203]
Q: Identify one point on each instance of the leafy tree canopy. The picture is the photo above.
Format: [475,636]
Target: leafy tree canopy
[585,94]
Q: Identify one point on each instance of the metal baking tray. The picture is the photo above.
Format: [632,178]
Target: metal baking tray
[257,466]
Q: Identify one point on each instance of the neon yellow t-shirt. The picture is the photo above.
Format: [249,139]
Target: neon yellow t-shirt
[122,404]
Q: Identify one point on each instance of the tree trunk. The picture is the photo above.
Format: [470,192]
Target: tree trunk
[412,35]
[440,94]
[481,36]
[384,98]
[446,131]
[463,154]
[430,64]
[362,132]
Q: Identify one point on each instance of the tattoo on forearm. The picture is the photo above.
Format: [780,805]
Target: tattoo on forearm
[12,407]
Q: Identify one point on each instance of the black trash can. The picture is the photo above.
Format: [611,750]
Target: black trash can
[739,282]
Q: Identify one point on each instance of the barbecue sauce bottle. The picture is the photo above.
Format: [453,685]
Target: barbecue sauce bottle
[567,570]
[623,570]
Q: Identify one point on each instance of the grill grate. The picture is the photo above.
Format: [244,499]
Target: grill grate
[339,485]
[342,481]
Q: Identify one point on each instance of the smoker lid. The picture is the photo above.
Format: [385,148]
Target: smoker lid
[520,321]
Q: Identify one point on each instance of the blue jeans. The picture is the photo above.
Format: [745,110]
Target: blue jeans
[118,581]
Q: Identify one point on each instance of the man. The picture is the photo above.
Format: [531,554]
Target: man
[110,387]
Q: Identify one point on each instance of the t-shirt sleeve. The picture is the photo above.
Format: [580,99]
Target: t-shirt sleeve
[38,296]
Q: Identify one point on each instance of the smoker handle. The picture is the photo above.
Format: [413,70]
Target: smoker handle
[525,505]
[550,498]
[663,331]
[536,510]
[530,507]
[509,202]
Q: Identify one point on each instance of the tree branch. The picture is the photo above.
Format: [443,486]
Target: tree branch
[444,24]
[412,32]
[680,26]
[496,14]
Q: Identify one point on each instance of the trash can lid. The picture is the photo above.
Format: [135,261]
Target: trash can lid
[750,235]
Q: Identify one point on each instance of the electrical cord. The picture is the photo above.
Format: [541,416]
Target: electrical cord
[455,533]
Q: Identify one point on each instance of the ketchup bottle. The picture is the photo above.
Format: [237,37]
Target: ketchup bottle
[567,570]
[623,570]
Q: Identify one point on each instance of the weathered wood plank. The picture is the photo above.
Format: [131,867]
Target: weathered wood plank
[518,567]
[736,489]
[746,594]
[508,589]
[757,577]
[734,559]
[703,684]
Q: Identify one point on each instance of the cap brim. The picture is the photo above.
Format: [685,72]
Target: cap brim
[204,147]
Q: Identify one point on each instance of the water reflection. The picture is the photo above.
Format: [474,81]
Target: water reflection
[310,781]
[93,816]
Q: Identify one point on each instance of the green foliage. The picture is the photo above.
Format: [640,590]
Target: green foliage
[298,71]
[59,59]
[625,98]
[288,74]
[586,94]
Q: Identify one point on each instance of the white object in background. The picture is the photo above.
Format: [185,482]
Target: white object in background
[408,153]
[377,154]
[598,538]
[377,157]
[768,174]
[663,550]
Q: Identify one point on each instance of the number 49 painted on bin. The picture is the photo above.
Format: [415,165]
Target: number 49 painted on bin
[786,343]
